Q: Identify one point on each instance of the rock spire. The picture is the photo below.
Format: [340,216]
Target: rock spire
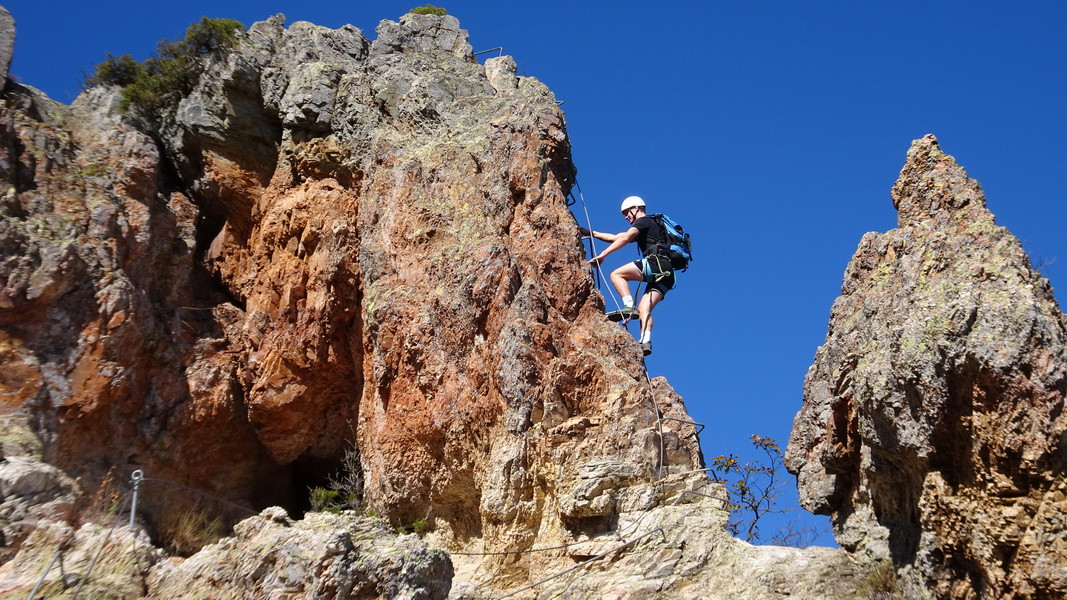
[933,425]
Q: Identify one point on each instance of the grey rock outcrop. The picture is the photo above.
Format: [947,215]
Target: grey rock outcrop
[338,556]
[423,34]
[501,73]
[933,427]
[683,552]
[92,560]
[334,245]
[31,492]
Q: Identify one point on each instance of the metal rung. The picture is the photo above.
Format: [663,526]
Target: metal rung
[699,426]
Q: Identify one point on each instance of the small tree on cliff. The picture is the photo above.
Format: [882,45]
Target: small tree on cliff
[158,83]
[347,481]
[755,488]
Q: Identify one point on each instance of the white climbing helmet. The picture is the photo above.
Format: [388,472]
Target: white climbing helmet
[631,202]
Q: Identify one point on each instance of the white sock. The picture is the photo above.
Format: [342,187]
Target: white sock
[628,301]
[646,336]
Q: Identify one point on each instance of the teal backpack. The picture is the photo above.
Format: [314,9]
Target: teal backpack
[681,247]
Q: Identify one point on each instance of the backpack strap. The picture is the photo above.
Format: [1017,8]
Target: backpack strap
[662,250]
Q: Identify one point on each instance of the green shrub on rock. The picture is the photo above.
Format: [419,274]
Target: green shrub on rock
[324,500]
[429,9]
[210,36]
[160,81]
[420,526]
[115,70]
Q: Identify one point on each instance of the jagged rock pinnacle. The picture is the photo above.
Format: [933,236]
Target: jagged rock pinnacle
[933,420]
[933,187]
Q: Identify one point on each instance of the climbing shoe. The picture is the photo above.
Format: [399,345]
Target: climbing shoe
[646,348]
[623,314]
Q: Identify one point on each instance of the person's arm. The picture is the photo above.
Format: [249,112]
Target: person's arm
[618,240]
[600,235]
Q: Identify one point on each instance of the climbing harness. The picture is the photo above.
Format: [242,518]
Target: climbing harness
[660,273]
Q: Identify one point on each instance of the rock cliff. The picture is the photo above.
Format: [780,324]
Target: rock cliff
[334,243]
[335,253]
[933,426]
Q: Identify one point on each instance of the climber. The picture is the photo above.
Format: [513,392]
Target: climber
[654,268]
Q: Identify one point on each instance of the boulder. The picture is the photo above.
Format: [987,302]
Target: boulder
[336,556]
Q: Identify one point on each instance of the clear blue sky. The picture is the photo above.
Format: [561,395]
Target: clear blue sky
[772,130]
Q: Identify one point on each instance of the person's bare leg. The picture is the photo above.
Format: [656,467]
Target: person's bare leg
[622,277]
[644,311]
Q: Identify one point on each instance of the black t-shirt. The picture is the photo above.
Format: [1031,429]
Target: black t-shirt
[650,237]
